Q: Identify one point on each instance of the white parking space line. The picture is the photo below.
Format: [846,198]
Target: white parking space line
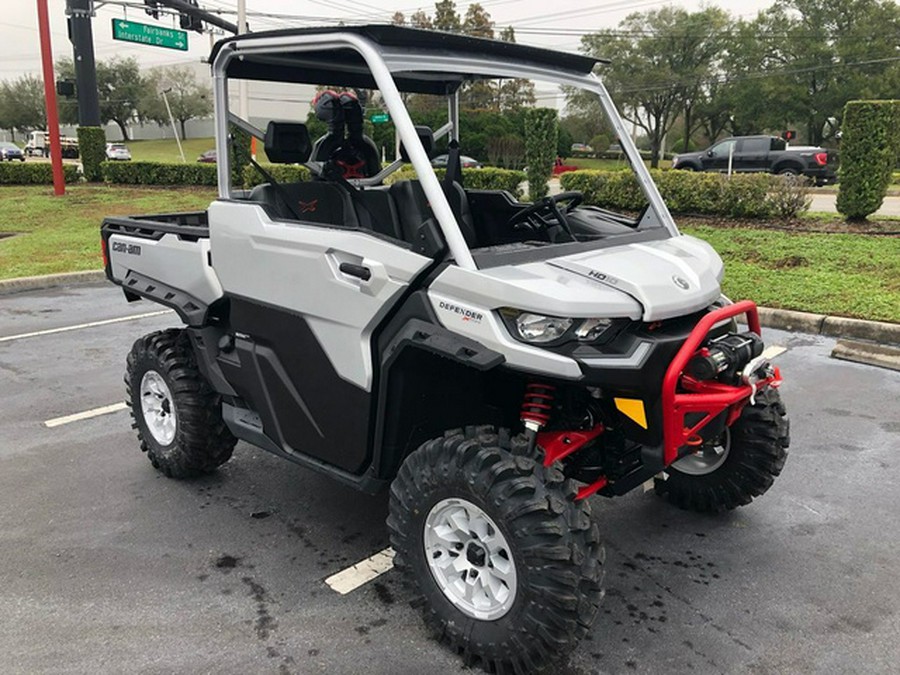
[65,329]
[362,572]
[86,415]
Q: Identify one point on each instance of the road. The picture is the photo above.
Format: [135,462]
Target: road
[106,566]
[825,202]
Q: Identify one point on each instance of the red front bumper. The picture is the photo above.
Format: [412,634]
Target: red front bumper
[682,395]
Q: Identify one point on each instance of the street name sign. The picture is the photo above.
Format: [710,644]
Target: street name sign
[145,34]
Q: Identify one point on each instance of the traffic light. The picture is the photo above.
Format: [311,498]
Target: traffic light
[65,88]
[189,22]
[152,8]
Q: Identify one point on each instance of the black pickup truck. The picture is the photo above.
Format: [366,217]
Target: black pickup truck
[762,154]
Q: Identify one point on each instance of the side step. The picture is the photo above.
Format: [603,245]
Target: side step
[247,426]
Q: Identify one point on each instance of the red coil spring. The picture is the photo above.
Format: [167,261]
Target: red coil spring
[537,403]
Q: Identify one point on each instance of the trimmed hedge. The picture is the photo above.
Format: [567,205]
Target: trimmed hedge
[475,179]
[158,173]
[870,147]
[34,173]
[283,173]
[541,137]
[92,150]
[238,153]
[741,196]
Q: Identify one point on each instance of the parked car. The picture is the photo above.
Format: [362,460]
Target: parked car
[208,157]
[117,151]
[762,154]
[581,147]
[466,162]
[11,151]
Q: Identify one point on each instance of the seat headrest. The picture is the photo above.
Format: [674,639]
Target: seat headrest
[426,136]
[287,143]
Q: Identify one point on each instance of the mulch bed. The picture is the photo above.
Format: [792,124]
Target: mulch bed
[890,228]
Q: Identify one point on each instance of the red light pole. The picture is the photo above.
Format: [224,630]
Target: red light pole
[59,181]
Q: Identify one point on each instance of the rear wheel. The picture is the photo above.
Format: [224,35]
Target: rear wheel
[177,415]
[788,171]
[506,566]
[735,468]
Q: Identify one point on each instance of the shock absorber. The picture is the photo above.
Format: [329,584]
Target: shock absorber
[536,407]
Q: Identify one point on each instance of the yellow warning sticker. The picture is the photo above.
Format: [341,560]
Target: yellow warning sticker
[633,409]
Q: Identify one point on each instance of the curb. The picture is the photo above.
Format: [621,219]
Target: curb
[882,356]
[783,319]
[831,326]
[21,284]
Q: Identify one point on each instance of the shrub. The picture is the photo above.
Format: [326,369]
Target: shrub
[541,133]
[238,153]
[474,179]
[869,149]
[788,196]
[92,149]
[27,173]
[600,143]
[283,173]
[741,196]
[158,173]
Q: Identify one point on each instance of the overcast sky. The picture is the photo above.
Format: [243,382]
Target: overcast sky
[536,21]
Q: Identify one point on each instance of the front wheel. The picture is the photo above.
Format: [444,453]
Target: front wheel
[506,565]
[738,466]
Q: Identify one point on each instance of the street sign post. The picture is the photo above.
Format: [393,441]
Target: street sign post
[145,34]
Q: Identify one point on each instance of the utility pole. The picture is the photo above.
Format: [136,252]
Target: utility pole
[59,181]
[82,38]
[172,121]
[243,103]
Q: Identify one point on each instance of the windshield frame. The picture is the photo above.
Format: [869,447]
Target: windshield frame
[383,62]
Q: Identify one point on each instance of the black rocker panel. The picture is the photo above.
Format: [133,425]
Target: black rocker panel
[306,408]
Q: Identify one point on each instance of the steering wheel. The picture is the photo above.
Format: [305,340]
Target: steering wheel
[543,213]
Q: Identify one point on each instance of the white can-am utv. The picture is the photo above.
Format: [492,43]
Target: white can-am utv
[494,363]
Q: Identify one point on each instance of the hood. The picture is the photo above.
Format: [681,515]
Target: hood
[668,278]
[648,281]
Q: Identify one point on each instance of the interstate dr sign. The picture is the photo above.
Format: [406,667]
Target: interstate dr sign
[145,34]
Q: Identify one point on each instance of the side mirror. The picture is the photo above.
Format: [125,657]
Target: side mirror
[709,153]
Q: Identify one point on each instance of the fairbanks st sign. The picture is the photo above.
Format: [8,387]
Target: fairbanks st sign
[145,34]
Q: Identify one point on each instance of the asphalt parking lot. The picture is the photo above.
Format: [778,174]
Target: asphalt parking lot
[107,566]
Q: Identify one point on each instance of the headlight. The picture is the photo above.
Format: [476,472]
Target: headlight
[541,329]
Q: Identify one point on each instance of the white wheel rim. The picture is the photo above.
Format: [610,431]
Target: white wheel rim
[707,458]
[158,408]
[470,559]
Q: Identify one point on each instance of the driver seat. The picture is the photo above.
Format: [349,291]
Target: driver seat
[413,208]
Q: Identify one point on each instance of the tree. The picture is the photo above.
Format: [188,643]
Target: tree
[696,44]
[22,104]
[798,63]
[119,85]
[518,92]
[398,19]
[661,58]
[421,20]
[446,17]
[478,22]
[187,98]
